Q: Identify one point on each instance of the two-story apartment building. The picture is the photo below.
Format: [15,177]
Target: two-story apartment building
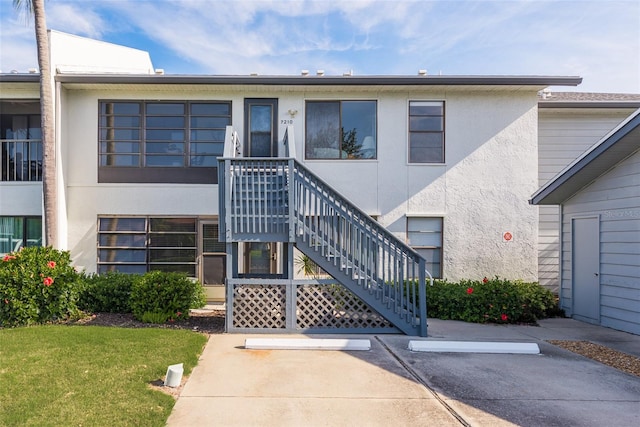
[445,165]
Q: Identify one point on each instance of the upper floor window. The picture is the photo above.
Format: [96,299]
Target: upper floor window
[341,130]
[160,140]
[426,132]
[20,143]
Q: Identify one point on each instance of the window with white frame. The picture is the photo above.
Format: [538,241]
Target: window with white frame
[141,244]
[341,130]
[426,132]
[424,235]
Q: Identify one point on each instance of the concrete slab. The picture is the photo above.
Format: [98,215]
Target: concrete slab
[391,385]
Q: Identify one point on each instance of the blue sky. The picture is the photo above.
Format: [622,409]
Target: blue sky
[596,39]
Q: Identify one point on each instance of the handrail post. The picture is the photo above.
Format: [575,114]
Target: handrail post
[422,295]
[292,200]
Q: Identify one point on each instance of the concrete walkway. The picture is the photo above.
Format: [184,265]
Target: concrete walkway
[390,385]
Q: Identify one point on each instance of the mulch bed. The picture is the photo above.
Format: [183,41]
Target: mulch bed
[209,322]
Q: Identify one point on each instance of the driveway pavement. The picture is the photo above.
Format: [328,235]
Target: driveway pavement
[392,386]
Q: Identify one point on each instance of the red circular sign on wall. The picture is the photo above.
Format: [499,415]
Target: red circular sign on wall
[507,236]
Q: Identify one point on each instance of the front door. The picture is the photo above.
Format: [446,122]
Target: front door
[261,128]
[212,261]
[261,140]
[586,269]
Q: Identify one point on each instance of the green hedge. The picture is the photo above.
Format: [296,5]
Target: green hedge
[107,293]
[490,300]
[159,297]
[38,285]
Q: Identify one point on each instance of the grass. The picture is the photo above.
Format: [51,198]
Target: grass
[58,375]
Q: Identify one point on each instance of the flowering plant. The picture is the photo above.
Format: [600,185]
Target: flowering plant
[37,285]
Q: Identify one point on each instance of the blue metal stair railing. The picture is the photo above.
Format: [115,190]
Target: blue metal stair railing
[278,199]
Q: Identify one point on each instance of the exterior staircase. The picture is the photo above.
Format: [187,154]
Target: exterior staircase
[280,200]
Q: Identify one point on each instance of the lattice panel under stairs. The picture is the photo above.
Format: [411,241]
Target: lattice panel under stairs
[317,307]
[334,306]
[259,306]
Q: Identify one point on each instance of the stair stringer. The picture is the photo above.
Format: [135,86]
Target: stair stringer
[374,299]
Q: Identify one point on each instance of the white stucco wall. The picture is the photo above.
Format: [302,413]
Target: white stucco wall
[481,190]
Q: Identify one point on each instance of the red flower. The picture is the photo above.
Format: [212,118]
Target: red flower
[504,317]
[485,280]
[48,281]
[8,258]
[51,264]
[469,291]
[179,313]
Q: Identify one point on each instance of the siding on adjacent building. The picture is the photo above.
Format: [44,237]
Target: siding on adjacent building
[615,198]
[563,135]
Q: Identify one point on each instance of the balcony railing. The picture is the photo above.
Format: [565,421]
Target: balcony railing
[21,160]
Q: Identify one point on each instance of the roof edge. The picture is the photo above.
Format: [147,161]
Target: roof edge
[573,168]
[323,80]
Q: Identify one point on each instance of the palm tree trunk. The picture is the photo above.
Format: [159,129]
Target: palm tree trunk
[49,174]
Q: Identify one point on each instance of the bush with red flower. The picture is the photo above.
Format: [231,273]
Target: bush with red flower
[37,285]
[490,300]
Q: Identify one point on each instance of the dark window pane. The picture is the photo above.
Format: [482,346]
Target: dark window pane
[210,122]
[165,108]
[122,224]
[358,129]
[421,123]
[207,148]
[172,240]
[207,135]
[126,240]
[172,255]
[168,122]
[165,135]
[173,224]
[168,161]
[204,161]
[165,147]
[120,160]
[323,130]
[124,108]
[119,147]
[217,109]
[122,255]
[425,109]
[112,134]
[34,231]
[120,121]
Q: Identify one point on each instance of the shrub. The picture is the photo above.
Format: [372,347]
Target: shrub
[158,296]
[38,285]
[107,293]
[490,300]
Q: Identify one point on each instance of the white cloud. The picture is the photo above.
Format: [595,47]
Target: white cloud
[599,40]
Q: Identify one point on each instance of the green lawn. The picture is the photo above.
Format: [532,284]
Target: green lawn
[89,375]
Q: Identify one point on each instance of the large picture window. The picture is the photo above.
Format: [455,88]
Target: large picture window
[143,141]
[424,235]
[341,130]
[141,244]
[18,231]
[426,132]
